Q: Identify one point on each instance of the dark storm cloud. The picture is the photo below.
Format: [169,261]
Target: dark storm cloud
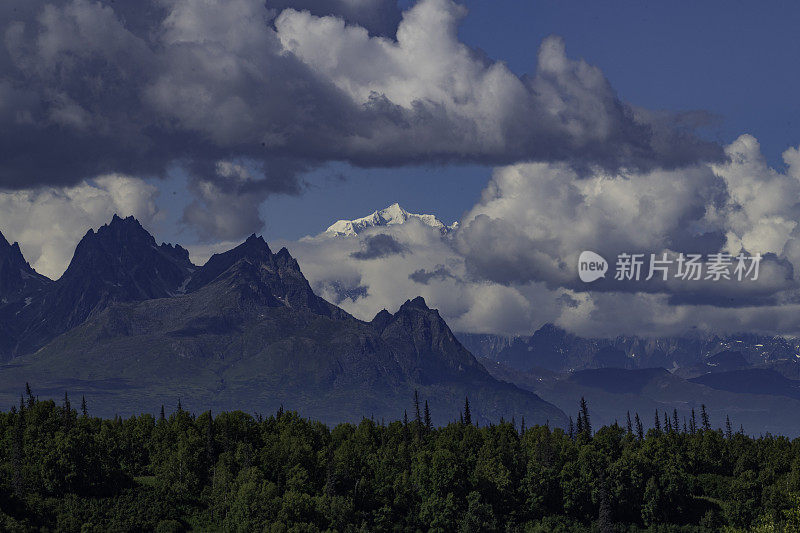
[339,292]
[378,246]
[424,277]
[85,95]
[379,17]
[134,87]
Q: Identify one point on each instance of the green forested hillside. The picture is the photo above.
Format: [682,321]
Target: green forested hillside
[61,469]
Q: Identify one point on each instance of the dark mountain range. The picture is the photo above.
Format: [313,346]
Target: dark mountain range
[245,331]
[121,262]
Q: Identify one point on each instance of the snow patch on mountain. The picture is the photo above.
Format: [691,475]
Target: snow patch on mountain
[394,214]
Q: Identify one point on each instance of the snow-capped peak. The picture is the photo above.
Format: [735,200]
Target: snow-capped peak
[394,214]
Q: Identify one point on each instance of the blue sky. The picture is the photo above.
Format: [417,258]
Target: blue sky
[737,60]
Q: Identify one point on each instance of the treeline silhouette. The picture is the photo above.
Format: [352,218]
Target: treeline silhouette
[62,469]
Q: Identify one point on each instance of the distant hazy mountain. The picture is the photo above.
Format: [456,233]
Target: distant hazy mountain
[394,214]
[758,400]
[245,331]
[557,350]
[751,379]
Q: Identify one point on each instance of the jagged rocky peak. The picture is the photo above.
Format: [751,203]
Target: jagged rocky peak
[415,324]
[124,256]
[413,306]
[254,249]
[256,243]
[381,320]
[416,303]
[17,278]
[121,240]
[179,251]
[11,252]
[258,276]
[127,228]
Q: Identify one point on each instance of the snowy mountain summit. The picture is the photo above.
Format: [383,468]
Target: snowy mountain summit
[394,214]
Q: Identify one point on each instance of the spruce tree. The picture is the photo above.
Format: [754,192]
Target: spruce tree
[428,424]
[675,425]
[587,426]
[161,416]
[417,415]
[210,445]
[467,412]
[657,425]
[704,417]
[522,426]
[629,424]
[571,429]
[580,424]
[66,412]
[639,427]
[84,411]
[29,393]
[693,423]
[405,417]
[667,423]
[180,407]
[728,430]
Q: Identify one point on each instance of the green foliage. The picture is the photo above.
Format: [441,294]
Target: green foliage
[61,470]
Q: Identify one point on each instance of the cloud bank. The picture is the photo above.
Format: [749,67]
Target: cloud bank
[511,266]
[90,88]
